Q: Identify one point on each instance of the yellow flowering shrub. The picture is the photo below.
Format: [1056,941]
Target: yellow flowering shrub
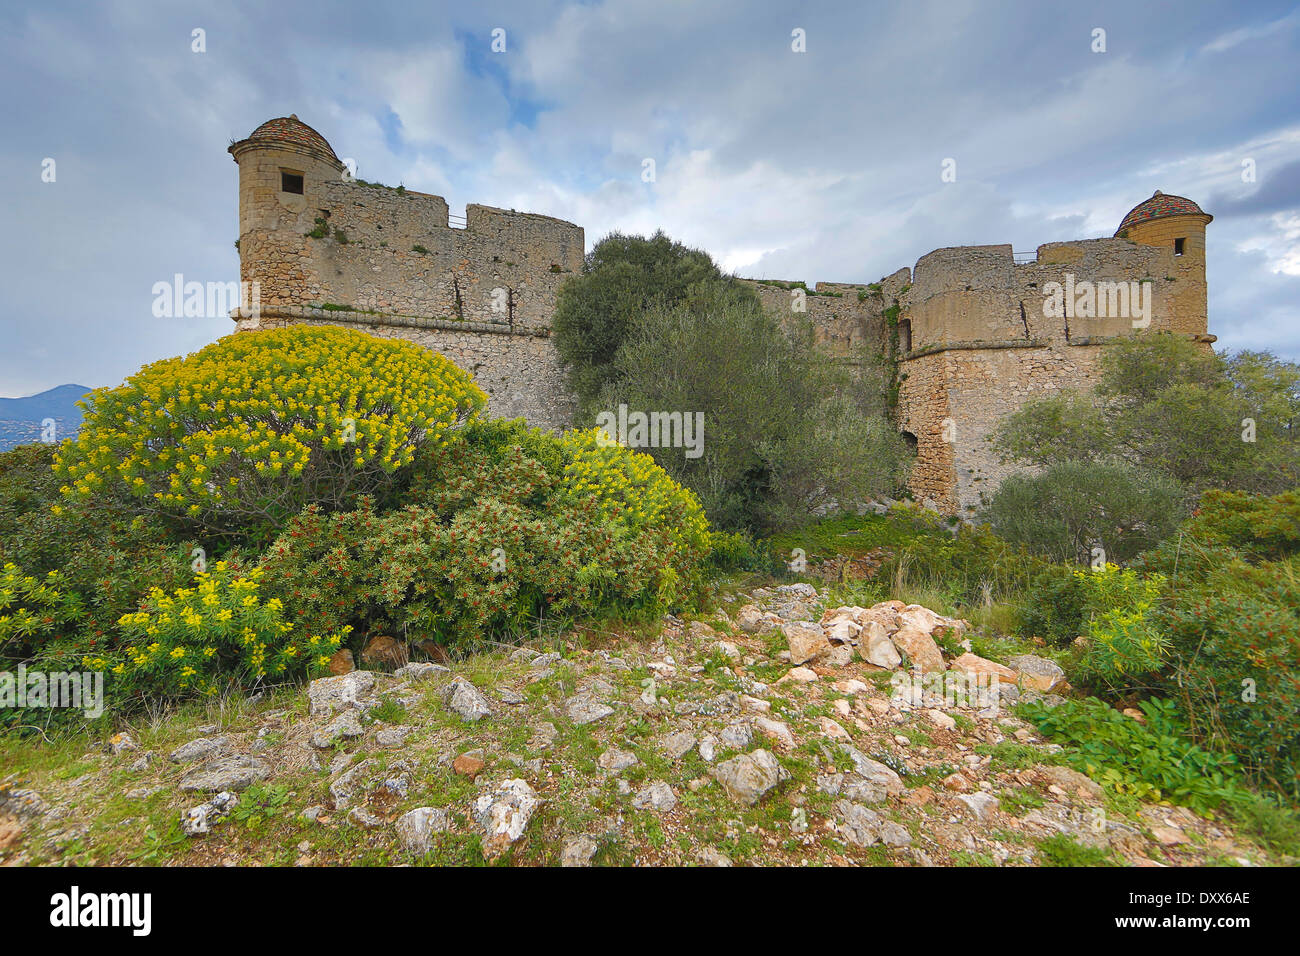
[630,490]
[199,639]
[244,433]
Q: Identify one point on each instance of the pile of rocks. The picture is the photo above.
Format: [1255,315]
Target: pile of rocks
[890,635]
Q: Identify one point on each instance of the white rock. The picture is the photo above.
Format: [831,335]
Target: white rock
[941,720]
[416,828]
[463,698]
[503,814]
[776,730]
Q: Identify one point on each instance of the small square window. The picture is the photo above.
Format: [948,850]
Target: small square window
[1178,246]
[290,182]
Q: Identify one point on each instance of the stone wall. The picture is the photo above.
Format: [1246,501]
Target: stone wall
[374,248]
[976,345]
[519,371]
[843,315]
[389,261]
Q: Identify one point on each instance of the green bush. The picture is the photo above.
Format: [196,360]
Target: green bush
[1235,664]
[623,276]
[967,564]
[1232,620]
[787,432]
[34,611]
[610,534]
[1166,405]
[1070,508]
[1153,761]
[1261,527]
[1055,605]
[103,561]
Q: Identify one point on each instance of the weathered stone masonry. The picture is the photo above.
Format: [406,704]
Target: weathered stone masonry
[339,251]
[966,327]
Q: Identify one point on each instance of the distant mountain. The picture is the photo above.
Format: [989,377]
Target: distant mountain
[20,418]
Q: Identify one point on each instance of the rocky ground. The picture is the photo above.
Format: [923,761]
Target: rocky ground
[776,732]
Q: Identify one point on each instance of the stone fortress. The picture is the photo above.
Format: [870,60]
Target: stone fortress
[971,332]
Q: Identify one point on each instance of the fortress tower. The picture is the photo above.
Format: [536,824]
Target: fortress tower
[1177,224]
[982,331]
[325,248]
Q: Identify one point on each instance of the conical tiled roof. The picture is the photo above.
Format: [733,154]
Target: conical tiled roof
[1160,206]
[289,132]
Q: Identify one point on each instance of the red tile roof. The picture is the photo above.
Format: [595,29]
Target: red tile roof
[291,132]
[1160,206]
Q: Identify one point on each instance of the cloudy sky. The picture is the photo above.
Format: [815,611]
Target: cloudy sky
[820,165]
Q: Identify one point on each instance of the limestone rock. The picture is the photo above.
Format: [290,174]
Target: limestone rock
[578,851]
[751,620]
[920,649]
[941,720]
[876,648]
[894,834]
[858,824]
[842,630]
[344,786]
[981,805]
[345,726]
[235,773]
[656,796]
[678,745]
[347,692]
[198,820]
[712,856]
[806,640]
[737,736]
[503,814]
[419,670]
[873,771]
[615,760]
[832,729]
[464,699]
[1071,781]
[415,829]
[840,655]
[1037,673]
[969,663]
[748,777]
[586,710]
[199,749]
[775,730]
[392,736]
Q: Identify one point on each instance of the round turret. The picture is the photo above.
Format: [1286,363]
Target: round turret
[1175,224]
[281,164]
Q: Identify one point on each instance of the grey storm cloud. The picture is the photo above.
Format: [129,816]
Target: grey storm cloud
[1279,192]
[822,165]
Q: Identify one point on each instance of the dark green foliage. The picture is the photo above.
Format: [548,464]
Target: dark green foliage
[1056,606]
[1170,406]
[107,562]
[1071,507]
[1151,761]
[786,431]
[1233,623]
[622,276]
